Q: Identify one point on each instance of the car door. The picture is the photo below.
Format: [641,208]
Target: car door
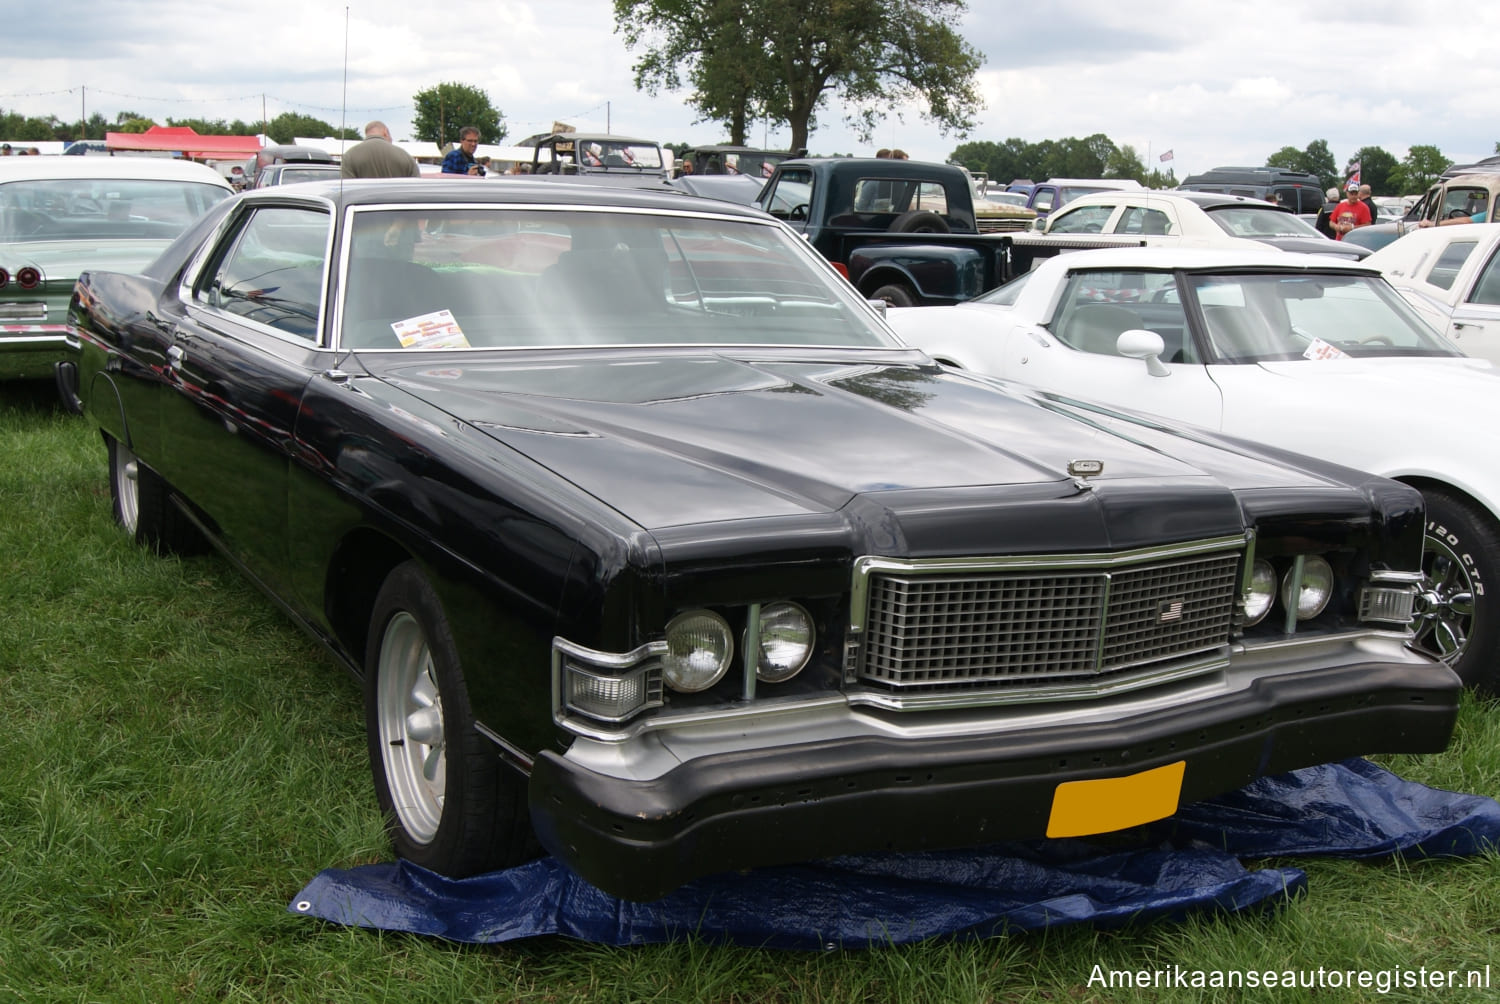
[1076,351]
[1475,324]
[246,340]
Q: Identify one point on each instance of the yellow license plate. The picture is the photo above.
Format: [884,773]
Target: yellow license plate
[1080,808]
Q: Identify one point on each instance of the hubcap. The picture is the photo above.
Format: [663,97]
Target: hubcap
[1444,613]
[409,710]
[127,487]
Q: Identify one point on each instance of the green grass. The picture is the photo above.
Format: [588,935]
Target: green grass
[178,761]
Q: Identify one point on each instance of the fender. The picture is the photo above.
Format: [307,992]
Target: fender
[938,274]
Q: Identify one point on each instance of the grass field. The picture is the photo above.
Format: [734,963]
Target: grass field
[179,761]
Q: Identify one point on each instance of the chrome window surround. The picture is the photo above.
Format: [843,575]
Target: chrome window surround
[232,220]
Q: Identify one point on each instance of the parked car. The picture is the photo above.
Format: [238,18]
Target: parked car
[1375,236]
[292,172]
[598,156]
[1451,275]
[1299,191]
[740,188]
[640,527]
[1304,353]
[286,153]
[1054,193]
[61,215]
[1189,219]
[709,161]
[1461,195]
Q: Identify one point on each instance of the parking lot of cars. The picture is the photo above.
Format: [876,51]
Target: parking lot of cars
[648,538]
[657,550]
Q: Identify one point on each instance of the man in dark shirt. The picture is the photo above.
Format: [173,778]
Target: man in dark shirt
[460,159]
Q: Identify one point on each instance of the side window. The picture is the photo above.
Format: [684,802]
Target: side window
[1042,202]
[1082,220]
[1487,289]
[1445,270]
[1143,221]
[1462,202]
[1097,307]
[932,197]
[272,272]
[791,196]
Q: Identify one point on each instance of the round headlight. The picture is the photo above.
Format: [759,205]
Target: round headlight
[1316,589]
[786,641]
[699,647]
[1262,592]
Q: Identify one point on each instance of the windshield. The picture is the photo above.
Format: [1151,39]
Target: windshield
[489,277]
[1261,317]
[102,209]
[1260,222]
[607,154]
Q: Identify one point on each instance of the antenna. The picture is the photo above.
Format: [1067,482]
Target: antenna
[344,104]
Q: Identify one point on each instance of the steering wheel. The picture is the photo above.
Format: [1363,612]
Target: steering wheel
[1456,214]
[798,212]
[1376,340]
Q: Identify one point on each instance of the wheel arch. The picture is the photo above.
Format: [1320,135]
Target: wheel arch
[1423,482]
[356,570]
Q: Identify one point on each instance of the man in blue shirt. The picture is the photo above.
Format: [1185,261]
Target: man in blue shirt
[460,159]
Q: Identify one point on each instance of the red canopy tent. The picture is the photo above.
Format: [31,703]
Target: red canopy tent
[185,140]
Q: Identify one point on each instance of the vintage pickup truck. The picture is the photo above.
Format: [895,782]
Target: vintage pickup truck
[904,231]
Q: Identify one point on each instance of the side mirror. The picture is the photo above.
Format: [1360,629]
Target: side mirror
[1138,343]
[1039,225]
[879,306]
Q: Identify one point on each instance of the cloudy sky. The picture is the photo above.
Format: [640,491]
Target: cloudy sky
[1216,83]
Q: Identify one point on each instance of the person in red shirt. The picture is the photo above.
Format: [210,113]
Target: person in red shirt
[1350,213]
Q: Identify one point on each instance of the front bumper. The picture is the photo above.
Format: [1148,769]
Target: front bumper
[641,839]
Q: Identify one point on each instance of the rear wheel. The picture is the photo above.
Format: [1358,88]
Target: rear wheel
[143,505]
[450,805]
[1455,620]
[895,294]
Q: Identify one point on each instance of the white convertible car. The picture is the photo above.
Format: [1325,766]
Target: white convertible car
[1312,354]
[1451,275]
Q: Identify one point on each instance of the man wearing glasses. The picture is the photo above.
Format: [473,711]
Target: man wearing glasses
[460,159]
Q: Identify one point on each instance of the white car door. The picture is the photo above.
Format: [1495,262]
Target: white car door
[1077,351]
[1475,324]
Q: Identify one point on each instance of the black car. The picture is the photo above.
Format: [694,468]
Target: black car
[650,541]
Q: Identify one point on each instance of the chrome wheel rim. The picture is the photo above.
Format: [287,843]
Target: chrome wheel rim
[409,709]
[1444,612]
[127,487]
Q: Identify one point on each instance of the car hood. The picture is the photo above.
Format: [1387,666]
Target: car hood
[672,439]
[66,259]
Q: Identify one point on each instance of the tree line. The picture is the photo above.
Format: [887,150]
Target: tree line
[1097,156]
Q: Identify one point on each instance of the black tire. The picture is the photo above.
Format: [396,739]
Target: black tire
[1456,618]
[450,805]
[143,505]
[895,294]
[919,221]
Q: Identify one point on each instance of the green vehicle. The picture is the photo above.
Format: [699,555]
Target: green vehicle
[62,215]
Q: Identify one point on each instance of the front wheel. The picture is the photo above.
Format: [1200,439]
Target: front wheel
[1456,620]
[450,805]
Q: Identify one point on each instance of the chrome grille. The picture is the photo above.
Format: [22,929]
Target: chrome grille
[1004,224]
[938,629]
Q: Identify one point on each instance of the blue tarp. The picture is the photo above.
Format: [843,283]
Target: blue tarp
[1189,862]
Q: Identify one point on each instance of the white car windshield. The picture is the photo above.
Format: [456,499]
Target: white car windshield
[1261,317]
[459,277]
[1259,222]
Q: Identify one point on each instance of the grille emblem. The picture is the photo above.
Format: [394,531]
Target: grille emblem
[1168,611]
[1085,468]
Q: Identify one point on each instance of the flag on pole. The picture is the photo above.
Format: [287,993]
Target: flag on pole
[1165,156]
[1354,176]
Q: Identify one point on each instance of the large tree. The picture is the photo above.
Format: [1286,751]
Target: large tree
[781,60]
[1316,159]
[287,126]
[443,109]
[1375,169]
[1421,166]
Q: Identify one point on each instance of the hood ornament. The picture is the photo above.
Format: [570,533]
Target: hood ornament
[1082,470]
